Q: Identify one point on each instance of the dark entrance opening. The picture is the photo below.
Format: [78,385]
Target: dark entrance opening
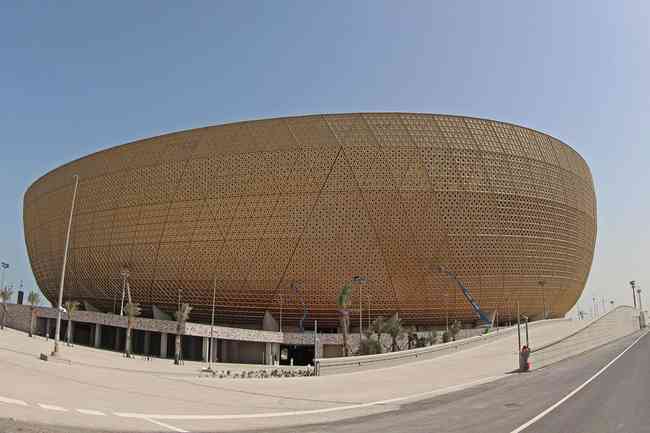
[82,333]
[108,337]
[301,355]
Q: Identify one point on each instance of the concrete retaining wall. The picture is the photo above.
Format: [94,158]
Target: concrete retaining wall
[359,363]
[616,324]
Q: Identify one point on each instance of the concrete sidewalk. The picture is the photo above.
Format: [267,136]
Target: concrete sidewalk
[135,397]
[19,343]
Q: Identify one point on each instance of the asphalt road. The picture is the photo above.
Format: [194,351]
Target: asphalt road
[616,401]
[613,402]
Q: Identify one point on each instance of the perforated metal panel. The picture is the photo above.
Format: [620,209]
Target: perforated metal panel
[319,199]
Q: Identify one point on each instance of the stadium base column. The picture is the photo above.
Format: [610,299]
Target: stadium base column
[163,345]
[204,349]
[98,335]
[147,342]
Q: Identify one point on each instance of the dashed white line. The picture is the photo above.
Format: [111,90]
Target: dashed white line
[170,427]
[12,401]
[153,417]
[91,412]
[52,407]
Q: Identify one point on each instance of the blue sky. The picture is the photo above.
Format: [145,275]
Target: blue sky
[76,77]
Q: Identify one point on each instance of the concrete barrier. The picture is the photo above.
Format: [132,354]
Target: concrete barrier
[348,364]
[618,323]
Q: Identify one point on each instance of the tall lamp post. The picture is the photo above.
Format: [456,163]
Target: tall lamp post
[55,351]
[633,285]
[542,283]
[210,346]
[360,280]
[296,288]
[638,291]
[125,275]
[4,267]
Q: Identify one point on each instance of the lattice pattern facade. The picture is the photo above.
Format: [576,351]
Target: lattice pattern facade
[317,200]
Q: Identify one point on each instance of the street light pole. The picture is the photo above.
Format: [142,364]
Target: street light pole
[542,283]
[640,304]
[65,260]
[360,280]
[4,267]
[633,284]
[210,346]
[125,274]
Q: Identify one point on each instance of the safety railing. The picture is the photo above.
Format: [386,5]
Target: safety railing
[327,366]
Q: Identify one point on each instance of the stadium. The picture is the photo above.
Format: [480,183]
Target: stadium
[278,215]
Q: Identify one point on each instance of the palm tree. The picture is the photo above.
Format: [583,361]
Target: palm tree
[378,326]
[71,307]
[368,345]
[395,330]
[181,317]
[343,304]
[455,328]
[5,295]
[133,310]
[34,298]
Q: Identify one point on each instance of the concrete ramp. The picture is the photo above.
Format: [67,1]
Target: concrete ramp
[618,323]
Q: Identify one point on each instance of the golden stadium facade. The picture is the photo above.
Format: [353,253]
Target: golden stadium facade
[251,208]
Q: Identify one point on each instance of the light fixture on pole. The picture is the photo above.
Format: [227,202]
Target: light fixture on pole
[296,288]
[594,308]
[65,260]
[633,285]
[4,267]
[125,274]
[542,283]
[211,345]
[281,305]
[360,280]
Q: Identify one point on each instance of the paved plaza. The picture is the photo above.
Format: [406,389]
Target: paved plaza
[90,388]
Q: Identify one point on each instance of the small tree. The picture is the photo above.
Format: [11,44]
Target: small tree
[71,307]
[181,317]
[455,328]
[378,326]
[395,330]
[133,310]
[369,345]
[34,298]
[343,304]
[5,295]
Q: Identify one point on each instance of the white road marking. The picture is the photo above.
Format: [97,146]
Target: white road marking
[575,391]
[170,427]
[52,407]
[152,417]
[91,412]
[12,401]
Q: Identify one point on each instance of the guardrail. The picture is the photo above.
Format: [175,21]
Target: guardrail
[348,364]
[615,324]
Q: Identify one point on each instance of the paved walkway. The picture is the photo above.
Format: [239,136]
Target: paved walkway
[103,390]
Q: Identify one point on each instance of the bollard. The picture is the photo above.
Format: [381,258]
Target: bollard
[523,359]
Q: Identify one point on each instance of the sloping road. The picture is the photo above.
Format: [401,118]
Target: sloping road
[615,401]
[618,400]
